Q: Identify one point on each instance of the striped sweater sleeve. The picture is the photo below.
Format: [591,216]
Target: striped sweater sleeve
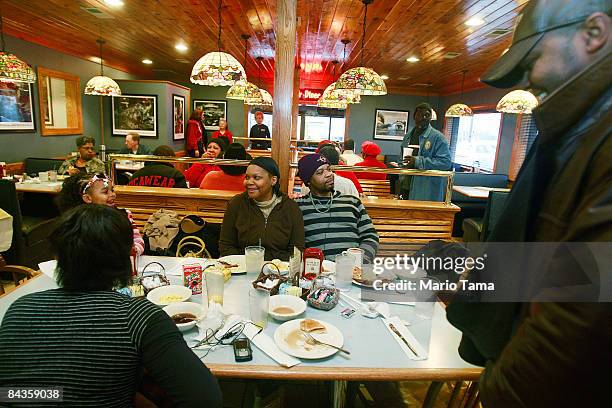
[367,233]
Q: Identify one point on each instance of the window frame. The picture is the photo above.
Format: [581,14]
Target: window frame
[478,109]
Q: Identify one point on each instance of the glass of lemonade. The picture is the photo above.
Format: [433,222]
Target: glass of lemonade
[259,303]
[254,259]
[214,286]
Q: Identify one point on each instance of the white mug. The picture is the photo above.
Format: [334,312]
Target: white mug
[357,254]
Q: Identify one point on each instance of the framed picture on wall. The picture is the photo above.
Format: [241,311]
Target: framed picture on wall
[16,114]
[178,113]
[135,113]
[213,111]
[391,124]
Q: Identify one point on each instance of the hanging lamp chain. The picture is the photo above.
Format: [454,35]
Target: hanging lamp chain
[2,31]
[219,37]
[100,42]
[365,15]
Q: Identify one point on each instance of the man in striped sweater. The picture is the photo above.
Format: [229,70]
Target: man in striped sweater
[333,222]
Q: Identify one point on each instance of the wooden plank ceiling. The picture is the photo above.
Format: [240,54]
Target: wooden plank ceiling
[396,30]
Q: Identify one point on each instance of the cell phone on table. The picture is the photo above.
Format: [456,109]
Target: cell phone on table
[242,349]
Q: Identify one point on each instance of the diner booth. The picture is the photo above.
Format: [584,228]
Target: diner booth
[64,93]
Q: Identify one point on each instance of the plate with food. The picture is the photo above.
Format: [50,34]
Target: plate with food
[361,281]
[164,295]
[290,337]
[235,263]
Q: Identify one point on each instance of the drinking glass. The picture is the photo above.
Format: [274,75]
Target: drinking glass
[425,299]
[259,303]
[344,272]
[52,175]
[214,287]
[43,176]
[254,259]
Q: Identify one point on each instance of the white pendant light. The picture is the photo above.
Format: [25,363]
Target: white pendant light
[100,84]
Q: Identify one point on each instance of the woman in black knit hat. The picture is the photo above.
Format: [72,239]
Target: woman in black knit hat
[262,214]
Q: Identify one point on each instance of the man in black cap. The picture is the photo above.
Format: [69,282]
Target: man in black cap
[553,354]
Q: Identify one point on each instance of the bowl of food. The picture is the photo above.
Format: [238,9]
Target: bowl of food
[164,295]
[286,307]
[185,314]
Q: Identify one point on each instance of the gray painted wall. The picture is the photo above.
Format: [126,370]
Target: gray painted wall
[235,108]
[165,120]
[15,146]
[489,96]
[362,120]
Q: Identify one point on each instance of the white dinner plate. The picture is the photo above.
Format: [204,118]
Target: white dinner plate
[289,339]
[239,260]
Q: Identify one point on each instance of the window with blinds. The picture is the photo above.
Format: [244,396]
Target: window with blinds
[451,127]
[525,135]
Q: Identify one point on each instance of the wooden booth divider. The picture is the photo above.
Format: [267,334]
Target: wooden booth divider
[403,225]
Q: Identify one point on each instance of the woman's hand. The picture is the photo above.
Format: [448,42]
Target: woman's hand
[196,153]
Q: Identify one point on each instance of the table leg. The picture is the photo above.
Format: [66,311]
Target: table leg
[339,393]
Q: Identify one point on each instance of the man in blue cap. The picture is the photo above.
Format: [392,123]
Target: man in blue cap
[553,354]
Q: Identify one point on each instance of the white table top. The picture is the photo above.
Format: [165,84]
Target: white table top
[477,191]
[51,187]
[128,165]
[374,352]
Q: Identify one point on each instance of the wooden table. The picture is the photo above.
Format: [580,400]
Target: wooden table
[477,191]
[375,355]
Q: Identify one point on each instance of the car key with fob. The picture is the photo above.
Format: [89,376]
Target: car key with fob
[242,349]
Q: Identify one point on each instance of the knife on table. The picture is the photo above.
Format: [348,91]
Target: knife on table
[394,329]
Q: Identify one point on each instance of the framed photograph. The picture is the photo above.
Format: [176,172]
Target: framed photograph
[391,124]
[47,98]
[16,114]
[213,111]
[178,113]
[135,112]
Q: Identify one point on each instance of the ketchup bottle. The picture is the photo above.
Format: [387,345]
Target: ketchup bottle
[313,263]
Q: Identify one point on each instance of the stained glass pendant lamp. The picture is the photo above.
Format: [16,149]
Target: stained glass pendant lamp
[100,84]
[243,89]
[217,68]
[264,98]
[517,101]
[459,109]
[346,95]
[363,80]
[332,98]
[13,69]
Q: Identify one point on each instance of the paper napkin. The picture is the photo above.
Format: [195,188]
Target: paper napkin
[414,343]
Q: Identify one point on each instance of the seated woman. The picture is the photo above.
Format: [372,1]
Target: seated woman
[85,161]
[369,151]
[97,342]
[230,178]
[262,214]
[94,189]
[214,150]
[223,131]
